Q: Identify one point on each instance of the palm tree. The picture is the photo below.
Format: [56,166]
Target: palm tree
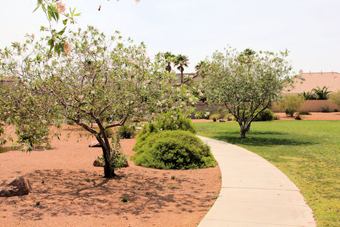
[201,69]
[321,93]
[180,62]
[169,58]
[309,95]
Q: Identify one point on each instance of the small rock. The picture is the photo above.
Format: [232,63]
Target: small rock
[94,144]
[18,186]
[221,120]
[126,164]
[96,162]
[298,117]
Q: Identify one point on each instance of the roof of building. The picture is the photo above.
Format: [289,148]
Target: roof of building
[310,80]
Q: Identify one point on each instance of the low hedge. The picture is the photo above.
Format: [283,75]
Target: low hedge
[173,150]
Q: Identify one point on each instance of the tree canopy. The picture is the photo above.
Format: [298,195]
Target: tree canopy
[105,80]
[246,82]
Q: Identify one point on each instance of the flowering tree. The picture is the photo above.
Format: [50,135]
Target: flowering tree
[54,10]
[246,83]
[29,112]
[100,79]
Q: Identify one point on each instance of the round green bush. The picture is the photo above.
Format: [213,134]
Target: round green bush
[126,131]
[165,122]
[265,115]
[173,150]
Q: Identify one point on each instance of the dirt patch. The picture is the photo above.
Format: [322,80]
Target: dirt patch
[69,191]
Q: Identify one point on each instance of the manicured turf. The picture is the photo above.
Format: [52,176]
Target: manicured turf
[308,152]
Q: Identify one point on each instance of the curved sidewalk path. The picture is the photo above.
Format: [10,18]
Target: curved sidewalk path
[254,193]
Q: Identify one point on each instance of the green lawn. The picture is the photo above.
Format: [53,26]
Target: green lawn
[308,152]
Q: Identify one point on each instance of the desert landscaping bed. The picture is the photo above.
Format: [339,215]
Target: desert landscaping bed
[67,190]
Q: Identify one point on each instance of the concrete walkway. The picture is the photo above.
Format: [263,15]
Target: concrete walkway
[254,192]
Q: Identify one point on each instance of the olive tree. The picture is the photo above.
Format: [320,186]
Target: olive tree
[246,83]
[105,80]
[290,104]
[335,97]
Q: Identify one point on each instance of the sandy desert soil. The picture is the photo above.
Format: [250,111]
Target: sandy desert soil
[313,116]
[69,191]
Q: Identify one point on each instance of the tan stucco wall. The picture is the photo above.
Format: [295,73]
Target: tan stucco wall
[312,106]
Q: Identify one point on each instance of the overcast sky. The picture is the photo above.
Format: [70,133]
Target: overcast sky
[309,29]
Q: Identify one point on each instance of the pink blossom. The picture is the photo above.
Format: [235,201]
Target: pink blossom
[87,73]
[67,47]
[61,7]
[80,96]
[137,1]
[93,92]
[159,103]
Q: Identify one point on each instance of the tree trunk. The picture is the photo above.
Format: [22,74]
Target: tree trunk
[243,132]
[182,77]
[168,68]
[109,172]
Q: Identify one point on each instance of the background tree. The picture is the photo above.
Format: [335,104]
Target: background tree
[169,58]
[181,61]
[335,98]
[309,95]
[201,69]
[246,83]
[290,104]
[102,80]
[321,93]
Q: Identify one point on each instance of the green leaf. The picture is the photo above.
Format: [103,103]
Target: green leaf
[65,21]
[38,5]
[61,32]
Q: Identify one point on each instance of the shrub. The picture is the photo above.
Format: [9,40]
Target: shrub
[325,109]
[126,131]
[125,198]
[164,122]
[265,115]
[336,110]
[229,117]
[277,117]
[215,117]
[304,112]
[109,132]
[117,157]
[220,114]
[290,104]
[173,150]
[202,115]
[290,112]
[335,98]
